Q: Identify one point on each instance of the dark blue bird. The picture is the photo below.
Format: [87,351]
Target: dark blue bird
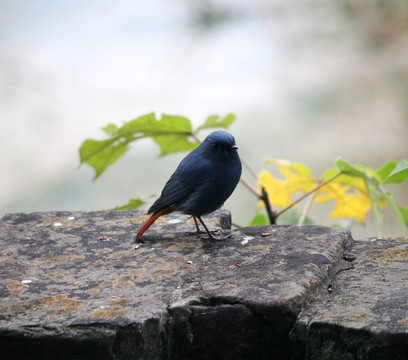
[202,182]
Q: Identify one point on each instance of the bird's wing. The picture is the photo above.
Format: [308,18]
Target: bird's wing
[180,185]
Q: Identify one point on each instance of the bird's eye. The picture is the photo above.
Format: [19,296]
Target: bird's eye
[214,145]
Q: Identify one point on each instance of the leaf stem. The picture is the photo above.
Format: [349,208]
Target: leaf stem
[251,188]
[196,138]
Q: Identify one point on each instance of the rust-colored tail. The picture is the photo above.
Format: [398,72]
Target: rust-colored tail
[151,220]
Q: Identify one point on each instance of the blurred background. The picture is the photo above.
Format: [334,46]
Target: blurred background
[308,81]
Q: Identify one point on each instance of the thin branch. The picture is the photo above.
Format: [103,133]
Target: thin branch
[196,138]
[249,169]
[271,215]
[251,188]
[238,226]
[306,209]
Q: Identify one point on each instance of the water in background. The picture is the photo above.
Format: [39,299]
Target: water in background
[309,81]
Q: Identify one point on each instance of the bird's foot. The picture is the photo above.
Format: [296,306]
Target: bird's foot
[137,241]
[218,235]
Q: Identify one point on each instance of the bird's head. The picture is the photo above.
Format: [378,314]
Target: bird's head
[220,143]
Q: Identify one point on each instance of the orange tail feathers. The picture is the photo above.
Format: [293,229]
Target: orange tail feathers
[151,220]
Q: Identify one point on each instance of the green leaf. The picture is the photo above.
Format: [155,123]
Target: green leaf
[395,208]
[381,195]
[101,154]
[139,127]
[370,176]
[398,174]
[176,135]
[349,169]
[258,220]
[170,132]
[174,143]
[133,204]
[215,121]
[175,124]
[376,202]
[109,129]
[386,170]
[404,213]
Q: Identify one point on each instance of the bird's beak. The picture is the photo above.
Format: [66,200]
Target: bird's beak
[228,151]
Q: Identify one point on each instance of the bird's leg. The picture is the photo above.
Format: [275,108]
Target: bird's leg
[196,224]
[205,227]
[198,231]
[210,234]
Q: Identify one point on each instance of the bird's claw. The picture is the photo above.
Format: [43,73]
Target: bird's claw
[222,236]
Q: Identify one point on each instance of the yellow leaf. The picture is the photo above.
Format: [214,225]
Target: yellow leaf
[352,200]
[297,179]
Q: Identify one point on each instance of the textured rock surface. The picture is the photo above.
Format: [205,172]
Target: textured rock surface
[74,286]
[365,313]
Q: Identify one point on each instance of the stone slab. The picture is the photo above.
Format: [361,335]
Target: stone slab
[363,311]
[74,285]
